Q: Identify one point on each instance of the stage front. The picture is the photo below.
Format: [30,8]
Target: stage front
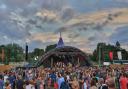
[65,54]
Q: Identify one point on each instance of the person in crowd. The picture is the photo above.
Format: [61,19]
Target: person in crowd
[102,84]
[42,83]
[19,83]
[48,83]
[1,82]
[65,84]
[38,83]
[29,85]
[5,77]
[60,79]
[123,81]
[93,84]
[52,75]
[7,85]
[12,79]
[56,85]
[111,83]
[85,84]
[75,83]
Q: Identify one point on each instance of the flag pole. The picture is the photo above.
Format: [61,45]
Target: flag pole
[26,53]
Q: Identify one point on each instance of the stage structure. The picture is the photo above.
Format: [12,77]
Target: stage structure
[65,54]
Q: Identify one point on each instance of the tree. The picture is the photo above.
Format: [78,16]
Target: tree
[38,52]
[14,52]
[35,53]
[50,47]
[118,44]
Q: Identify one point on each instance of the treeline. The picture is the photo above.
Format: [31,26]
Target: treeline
[15,53]
[103,50]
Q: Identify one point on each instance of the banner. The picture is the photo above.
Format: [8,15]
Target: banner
[119,55]
[111,55]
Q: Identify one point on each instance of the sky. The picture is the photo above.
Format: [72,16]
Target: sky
[83,23]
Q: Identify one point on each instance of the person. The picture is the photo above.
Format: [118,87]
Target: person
[60,80]
[93,84]
[123,81]
[85,84]
[55,85]
[19,83]
[41,83]
[102,84]
[1,83]
[49,83]
[7,85]
[52,75]
[12,80]
[29,85]
[65,85]
[5,77]
[38,83]
[75,83]
[111,83]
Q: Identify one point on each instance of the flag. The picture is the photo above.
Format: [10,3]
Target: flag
[111,55]
[119,55]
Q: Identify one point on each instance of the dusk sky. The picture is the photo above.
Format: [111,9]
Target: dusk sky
[83,23]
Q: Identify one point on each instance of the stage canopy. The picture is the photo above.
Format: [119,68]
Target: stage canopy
[65,54]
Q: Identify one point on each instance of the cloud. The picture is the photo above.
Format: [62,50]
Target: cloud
[53,4]
[97,20]
[16,3]
[120,35]
[44,37]
[31,21]
[92,38]
[73,35]
[3,7]
[124,1]
[67,13]
[48,16]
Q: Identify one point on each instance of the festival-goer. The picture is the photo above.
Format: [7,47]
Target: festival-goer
[29,85]
[7,85]
[65,84]
[56,85]
[19,83]
[60,79]
[123,81]
[102,84]
[93,84]
[111,83]
[75,83]
[1,82]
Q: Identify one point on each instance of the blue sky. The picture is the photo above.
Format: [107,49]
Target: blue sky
[83,23]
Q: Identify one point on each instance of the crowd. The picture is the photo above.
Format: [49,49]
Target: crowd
[63,76]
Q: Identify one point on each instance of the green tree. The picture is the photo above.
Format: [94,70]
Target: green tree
[14,52]
[38,52]
[35,53]
[118,44]
[50,47]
